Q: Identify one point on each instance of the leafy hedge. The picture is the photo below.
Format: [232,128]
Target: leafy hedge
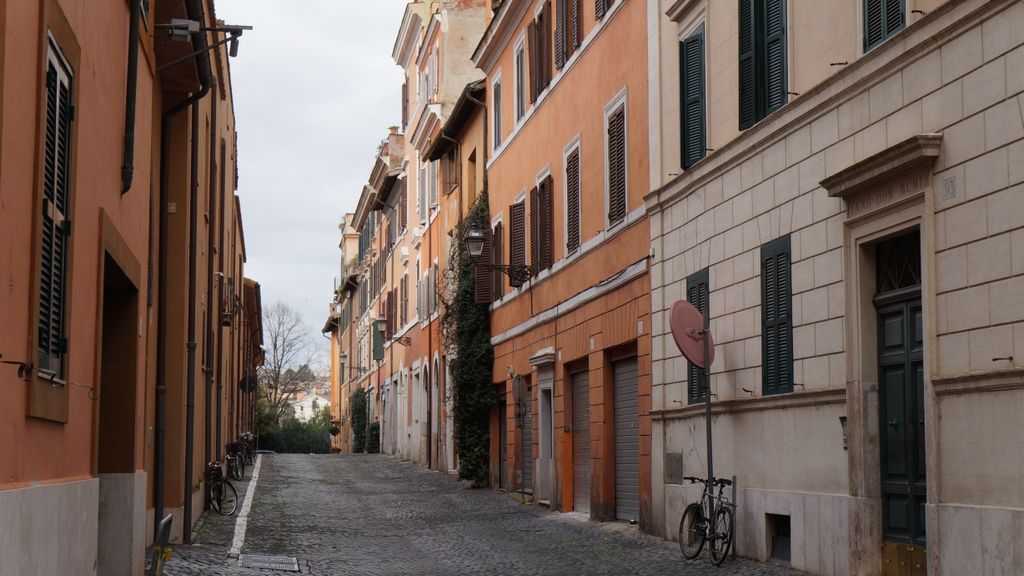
[466,330]
[357,405]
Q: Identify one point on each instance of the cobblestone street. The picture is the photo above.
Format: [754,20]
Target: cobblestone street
[373,515]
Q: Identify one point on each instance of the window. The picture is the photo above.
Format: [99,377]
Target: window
[434,302]
[517,238]
[56,226]
[697,293]
[691,80]
[568,31]
[542,224]
[432,183]
[496,251]
[538,34]
[404,316]
[601,7]
[451,169]
[762,59]
[520,81]
[403,206]
[615,122]
[572,200]
[776,317]
[882,19]
[421,194]
[496,111]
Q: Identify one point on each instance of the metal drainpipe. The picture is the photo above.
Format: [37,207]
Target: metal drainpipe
[190,345]
[199,42]
[211,310]
[128,153]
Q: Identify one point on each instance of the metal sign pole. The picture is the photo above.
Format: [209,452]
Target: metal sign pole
[707,419]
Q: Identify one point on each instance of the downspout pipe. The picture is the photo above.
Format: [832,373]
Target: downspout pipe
[199,42]
[128,152]
[211,246]
[190,345]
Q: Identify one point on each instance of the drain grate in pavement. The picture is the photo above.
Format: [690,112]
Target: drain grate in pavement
[286,563]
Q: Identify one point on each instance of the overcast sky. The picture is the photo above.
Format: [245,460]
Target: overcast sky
[315,90]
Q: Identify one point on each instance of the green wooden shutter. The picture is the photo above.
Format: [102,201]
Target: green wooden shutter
[617,166]
[882,19]
[691,62]
[776,317]
[517,239]
[572,201]
[698,294]
[747,75]
[775,84]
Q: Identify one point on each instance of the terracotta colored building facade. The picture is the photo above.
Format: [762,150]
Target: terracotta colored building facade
[94,325]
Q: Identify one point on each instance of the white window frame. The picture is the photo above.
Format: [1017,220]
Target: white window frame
[574,144]
[620,100]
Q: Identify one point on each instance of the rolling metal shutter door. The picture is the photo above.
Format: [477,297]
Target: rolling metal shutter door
[527,439]
[581,470]
[627,444]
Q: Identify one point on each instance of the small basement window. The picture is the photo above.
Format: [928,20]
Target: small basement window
[777,529]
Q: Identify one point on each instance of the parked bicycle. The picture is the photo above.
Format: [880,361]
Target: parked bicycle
[236,466]
[223,497]
[247,442]
[694,528]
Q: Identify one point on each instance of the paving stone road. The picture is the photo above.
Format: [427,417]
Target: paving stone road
[373,515]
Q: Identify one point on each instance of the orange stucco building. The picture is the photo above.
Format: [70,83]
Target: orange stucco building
[567,172]
[110,301]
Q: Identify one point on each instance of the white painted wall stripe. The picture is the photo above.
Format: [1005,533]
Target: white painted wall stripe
[243,515]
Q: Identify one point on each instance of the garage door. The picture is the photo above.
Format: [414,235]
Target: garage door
[627,443]
[527,439]
[581,442]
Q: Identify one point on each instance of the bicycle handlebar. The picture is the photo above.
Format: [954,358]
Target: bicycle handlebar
[718,481]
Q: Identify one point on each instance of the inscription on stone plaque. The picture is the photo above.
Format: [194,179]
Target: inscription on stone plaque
[888,194]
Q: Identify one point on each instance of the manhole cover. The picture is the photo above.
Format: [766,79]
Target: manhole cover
[270,562]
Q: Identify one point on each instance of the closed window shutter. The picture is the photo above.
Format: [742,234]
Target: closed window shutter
[434,302]
[547,210]
[432,178]
[776,317]
[421,194]
[572,201]
[617,167]
[496,99]
[534,57]
[691,59]
[535,218]
[403,205]
[517,239]
[484,278]
[405,105]
[575,31]
[882,18]
[560,29]
[747,77]
[496,254]
[56,227]
[697,293]
[600,6]
[775,55]
[546,49]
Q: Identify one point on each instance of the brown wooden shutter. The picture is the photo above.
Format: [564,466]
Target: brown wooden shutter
[547,224]
[484,279]
[560,30]
[517,238]
[534,58]
[617,167]
[403,205]
[575,31]
[599,8]
[572,183]
[545,31]
[496,254]
[535,227]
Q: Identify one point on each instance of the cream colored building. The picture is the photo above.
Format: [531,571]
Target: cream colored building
[851,203]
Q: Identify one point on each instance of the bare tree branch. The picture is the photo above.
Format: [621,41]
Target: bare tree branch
[286,368]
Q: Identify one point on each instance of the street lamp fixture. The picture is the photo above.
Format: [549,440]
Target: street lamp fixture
[475,239]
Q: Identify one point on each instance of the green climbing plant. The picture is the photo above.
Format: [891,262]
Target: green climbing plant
[466,333]
[357,405]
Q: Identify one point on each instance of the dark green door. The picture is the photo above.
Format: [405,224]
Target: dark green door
[901,418]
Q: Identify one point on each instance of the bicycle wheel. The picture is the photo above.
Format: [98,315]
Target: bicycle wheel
[228,499]
[235,471]
[215,494]
[721,540]
[692,531]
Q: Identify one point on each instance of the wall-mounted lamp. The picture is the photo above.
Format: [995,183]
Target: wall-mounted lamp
[475,238]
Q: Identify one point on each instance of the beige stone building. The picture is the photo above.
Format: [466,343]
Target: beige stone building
[844,194]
